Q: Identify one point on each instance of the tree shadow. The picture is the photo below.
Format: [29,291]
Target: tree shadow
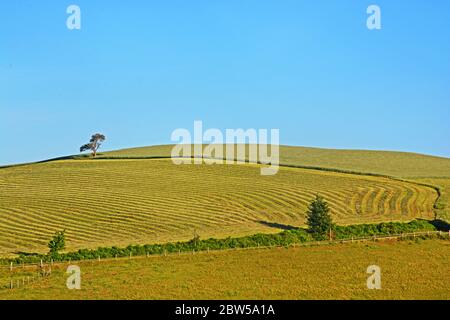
[441,225]
[27,254]
[277,225]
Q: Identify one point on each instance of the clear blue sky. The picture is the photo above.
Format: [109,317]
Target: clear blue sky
[137,70]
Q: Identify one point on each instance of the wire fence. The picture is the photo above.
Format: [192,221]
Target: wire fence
[20,275]
[44,264]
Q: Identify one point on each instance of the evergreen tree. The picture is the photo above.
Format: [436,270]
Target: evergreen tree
[319,220]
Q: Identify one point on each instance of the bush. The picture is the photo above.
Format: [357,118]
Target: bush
[285,238]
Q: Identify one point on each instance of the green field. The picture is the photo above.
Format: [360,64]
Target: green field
[409,270]
[137,201]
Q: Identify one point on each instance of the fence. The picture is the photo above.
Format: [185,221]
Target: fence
[45,269]
[18,280]
[412,235]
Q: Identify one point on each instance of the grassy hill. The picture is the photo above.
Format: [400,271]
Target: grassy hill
[135,201]
[398,164]
[412,166]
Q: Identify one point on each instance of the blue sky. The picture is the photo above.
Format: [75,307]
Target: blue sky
[137,70]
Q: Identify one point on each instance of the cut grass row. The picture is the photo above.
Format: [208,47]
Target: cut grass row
[391,163]
[122,202]
[442,206]
[432,170]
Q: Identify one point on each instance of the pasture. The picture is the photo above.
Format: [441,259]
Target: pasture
[409,270]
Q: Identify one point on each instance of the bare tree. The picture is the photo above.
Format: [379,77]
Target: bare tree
[94,144]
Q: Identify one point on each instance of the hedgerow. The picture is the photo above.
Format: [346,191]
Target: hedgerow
[285,238]
[385,228]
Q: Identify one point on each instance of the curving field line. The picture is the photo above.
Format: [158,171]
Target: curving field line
[120,202]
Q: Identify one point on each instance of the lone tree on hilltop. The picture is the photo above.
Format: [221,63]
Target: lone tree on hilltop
[94,144]
[319,220]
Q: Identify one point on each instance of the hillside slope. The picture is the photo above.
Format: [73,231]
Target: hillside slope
[391,163]
[412,166]
[120,202]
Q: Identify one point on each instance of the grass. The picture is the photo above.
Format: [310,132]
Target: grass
[122,202]
[392,163]
[443,205]
[126,198]
[412,166]
[419,271]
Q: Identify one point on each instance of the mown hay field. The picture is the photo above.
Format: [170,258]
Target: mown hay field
[392,163]
[409,270]
[443,204]
[122,202]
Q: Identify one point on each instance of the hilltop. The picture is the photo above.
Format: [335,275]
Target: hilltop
[392,163]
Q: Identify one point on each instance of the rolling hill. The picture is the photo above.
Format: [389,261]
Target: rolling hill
[391,163]
[126,198]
